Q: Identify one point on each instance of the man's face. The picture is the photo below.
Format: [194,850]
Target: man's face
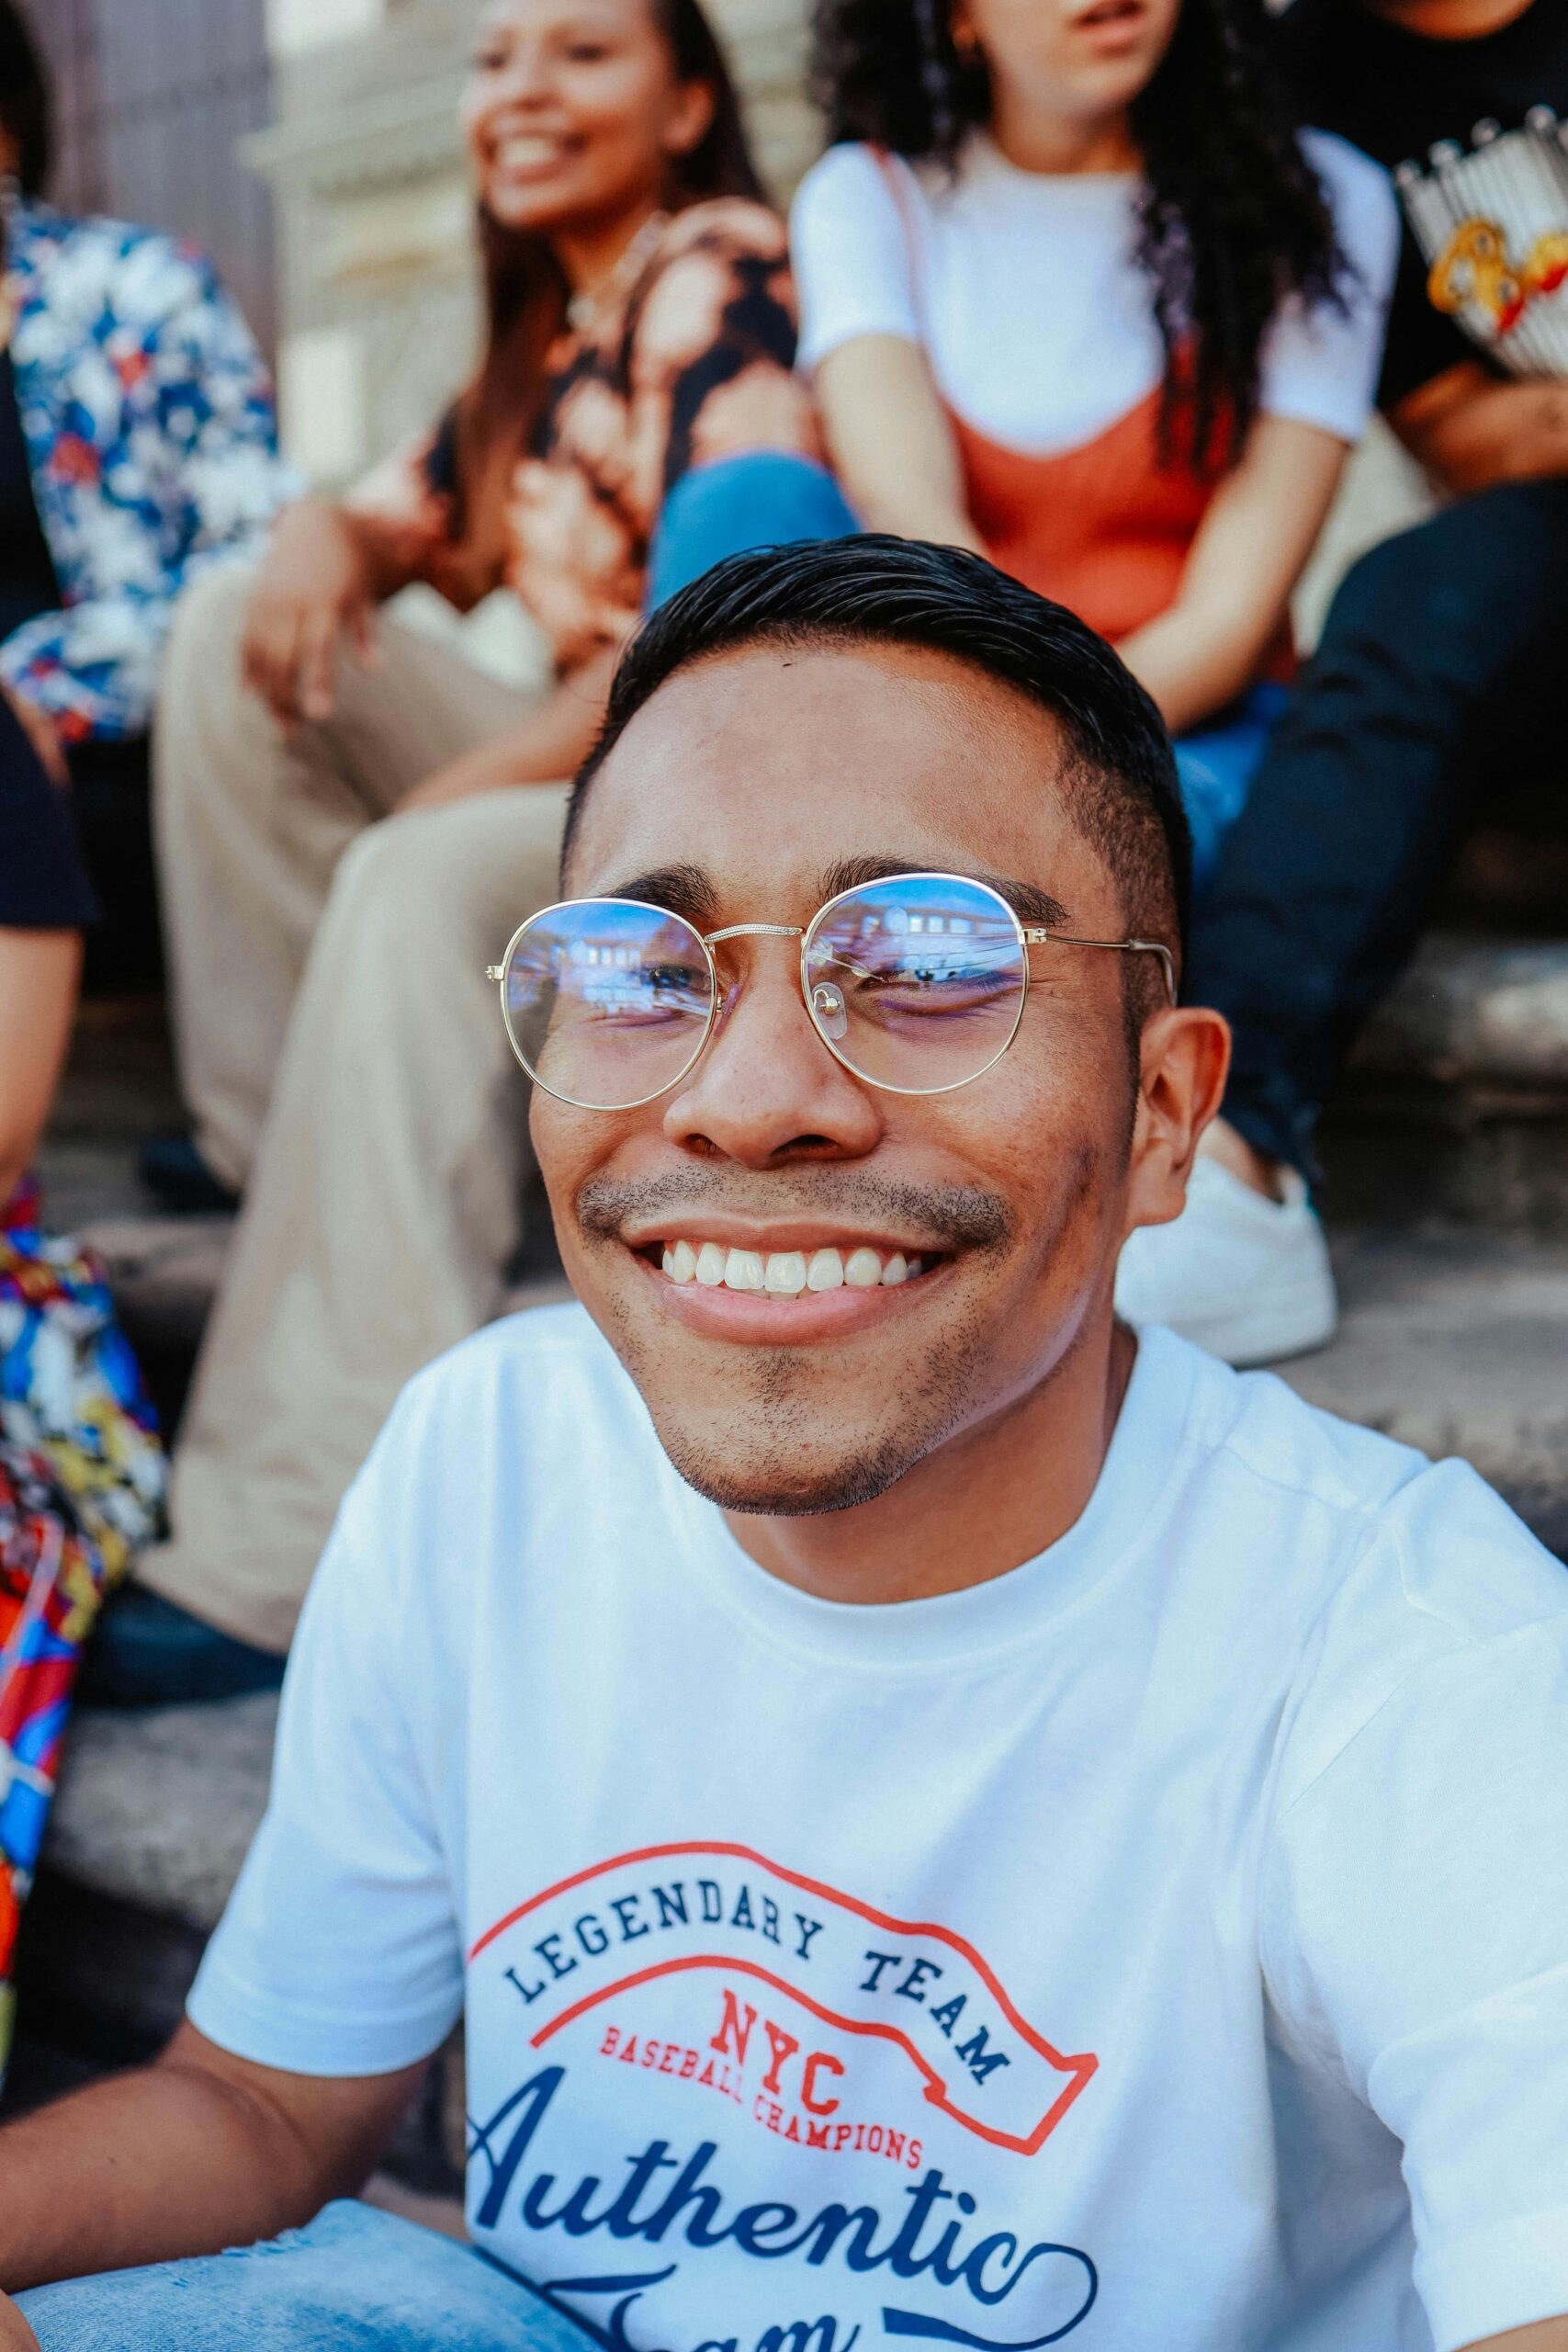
[762,777]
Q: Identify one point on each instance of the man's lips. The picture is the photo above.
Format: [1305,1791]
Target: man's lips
[820,1251]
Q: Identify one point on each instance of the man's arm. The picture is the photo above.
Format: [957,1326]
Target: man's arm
[1471,430]
[196,2152]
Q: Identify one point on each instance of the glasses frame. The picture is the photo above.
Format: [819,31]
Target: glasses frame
[1028,935]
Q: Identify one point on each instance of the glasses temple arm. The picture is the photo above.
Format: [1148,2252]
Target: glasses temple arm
[1036,938]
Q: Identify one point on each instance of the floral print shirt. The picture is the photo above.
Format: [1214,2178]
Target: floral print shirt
[152,441]
[694,362]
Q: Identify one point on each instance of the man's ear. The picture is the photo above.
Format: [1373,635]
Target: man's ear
[1184,1054]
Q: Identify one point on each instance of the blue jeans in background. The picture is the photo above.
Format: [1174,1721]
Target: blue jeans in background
[356,2280]
[1438,688]
[765,499]
[1216,765]
[769,498]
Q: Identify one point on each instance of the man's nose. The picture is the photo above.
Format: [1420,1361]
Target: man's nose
[767,1088]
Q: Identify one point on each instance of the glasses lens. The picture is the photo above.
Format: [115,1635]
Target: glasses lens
[607,1002]
[916,983]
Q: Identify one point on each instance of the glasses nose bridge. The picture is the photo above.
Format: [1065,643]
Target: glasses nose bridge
[727,994]
[754,930]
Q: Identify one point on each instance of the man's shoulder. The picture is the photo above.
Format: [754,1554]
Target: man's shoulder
[1396,1559]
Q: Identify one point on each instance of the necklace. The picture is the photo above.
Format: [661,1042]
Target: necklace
[587,307]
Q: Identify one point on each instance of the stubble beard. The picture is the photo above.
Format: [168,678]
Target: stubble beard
[781,1456]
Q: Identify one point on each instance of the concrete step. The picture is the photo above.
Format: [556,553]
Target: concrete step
[1454,1112]
[1457,1343]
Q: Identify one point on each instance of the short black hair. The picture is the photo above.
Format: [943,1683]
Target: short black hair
[24,100]
[871,589]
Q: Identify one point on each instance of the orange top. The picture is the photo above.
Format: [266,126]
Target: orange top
[1104,528]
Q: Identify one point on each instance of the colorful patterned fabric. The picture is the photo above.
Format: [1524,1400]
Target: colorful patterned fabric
[694,363]
[81,1488]
[150,432]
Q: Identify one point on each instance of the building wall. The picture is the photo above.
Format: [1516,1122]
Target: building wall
[151,100]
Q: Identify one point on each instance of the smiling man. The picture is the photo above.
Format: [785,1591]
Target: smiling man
[950,1821]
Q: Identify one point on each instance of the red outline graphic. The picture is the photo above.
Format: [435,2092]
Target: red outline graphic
[1079,2067]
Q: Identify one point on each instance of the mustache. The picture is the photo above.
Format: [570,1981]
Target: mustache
[964,1217]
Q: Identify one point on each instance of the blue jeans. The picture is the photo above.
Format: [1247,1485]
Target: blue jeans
[149,1652]
[1216,765]
[767,498]
[355,2281]
[1437,686]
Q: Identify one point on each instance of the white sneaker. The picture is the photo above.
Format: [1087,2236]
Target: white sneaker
[1245,1277]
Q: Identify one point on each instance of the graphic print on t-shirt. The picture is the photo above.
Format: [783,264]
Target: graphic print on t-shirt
[722,2066]
[1492,226]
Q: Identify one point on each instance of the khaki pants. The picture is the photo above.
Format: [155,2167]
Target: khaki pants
[343,1059]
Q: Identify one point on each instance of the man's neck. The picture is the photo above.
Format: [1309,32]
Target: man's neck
[1448,19]
[978,1506]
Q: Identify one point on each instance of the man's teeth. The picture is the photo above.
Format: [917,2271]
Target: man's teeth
[784,1274]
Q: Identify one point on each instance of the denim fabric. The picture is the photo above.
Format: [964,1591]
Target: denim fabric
[356,2280]
[1438,683]
[765,499]
[149,1652]
[1216,766]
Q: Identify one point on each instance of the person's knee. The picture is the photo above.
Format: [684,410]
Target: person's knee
[413,890]
[207,626]
[1454,599]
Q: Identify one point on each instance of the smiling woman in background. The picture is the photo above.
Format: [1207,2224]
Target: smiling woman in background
[1075,293]
[328,968]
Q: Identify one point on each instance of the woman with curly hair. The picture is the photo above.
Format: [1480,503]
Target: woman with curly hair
[1075,292]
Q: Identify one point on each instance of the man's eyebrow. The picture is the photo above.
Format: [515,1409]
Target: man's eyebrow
[681,889]
[1028,901]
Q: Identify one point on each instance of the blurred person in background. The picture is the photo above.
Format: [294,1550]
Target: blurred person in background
[331,1015]
[81,1467]
[1075,292]
[1438,682]
[137,446]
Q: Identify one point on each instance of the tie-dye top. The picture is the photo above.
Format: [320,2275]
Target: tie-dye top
[694,362]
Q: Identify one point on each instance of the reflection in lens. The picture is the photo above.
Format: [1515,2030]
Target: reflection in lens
[928,974]
[607,1001]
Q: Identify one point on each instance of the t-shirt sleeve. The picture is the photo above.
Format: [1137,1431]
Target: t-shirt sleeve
[1414,1927]
[340,1952]
[1320,361]
[853,269]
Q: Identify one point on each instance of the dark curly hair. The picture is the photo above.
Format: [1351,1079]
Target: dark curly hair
[1233,217]
[24,100]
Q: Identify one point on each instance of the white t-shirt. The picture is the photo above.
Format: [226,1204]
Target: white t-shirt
[1035,317]
[1067,1958]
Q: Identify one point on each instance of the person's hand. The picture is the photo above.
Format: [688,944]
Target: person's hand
[316,588]
[489,768]
[15,2336]
[39,727]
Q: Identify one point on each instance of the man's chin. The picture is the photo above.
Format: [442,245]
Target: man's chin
[769,1485]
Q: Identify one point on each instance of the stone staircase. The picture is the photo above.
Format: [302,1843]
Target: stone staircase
[1446,1195]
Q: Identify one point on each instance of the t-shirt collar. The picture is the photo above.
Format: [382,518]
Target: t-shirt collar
[956,1628]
